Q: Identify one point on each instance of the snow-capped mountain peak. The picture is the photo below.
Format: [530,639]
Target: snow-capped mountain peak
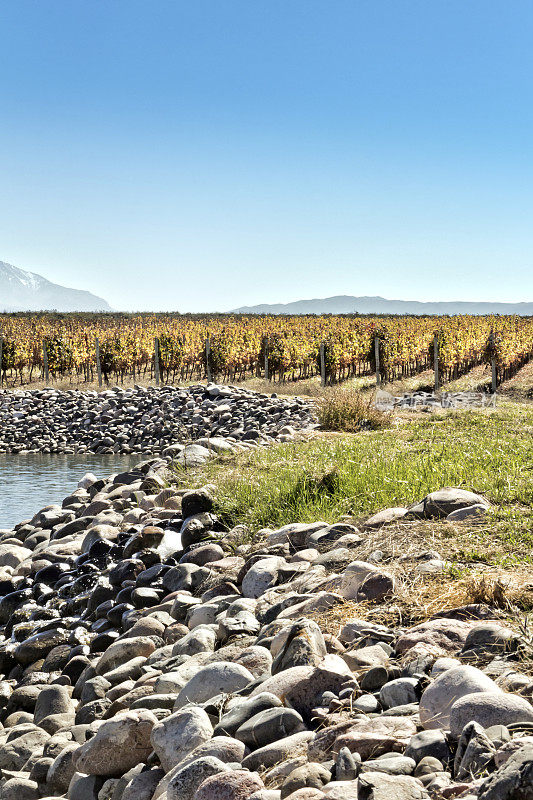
[21,290]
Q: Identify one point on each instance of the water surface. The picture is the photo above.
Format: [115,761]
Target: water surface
[30,481]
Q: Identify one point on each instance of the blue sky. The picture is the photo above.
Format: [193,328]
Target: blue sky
[215,153]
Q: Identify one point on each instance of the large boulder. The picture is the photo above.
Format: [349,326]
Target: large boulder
[143,785]
[299,644]
[437,700]
[11,555]
[444,502]
[53,700]
[237,785]
[302,687]
[40,644]
[355,575]
[448,634]
[279,751]
[385,517]
[118,745]
[222,677]
[15,752]
[488,709]
[124,650]
[380,786]
[269,726]
[261,576]
[177,735]
[185,780]
[371,737]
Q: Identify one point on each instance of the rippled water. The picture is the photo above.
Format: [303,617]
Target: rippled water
[29,481]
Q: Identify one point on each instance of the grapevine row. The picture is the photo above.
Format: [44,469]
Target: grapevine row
[288,348]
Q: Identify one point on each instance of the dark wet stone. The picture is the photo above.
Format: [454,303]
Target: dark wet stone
[10,602]
[39,645]
[125,570]
[102,641]
[268,726]
[196,502]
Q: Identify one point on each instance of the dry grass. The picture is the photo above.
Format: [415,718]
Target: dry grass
[418,598]
[309,387]
[347,410]
[520,386]
[466,545]
[71,382]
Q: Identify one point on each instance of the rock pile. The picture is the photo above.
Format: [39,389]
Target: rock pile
[143,420]
[428,401]
[148,654]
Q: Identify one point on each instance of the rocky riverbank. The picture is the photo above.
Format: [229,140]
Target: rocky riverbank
[143,421]
[147,653]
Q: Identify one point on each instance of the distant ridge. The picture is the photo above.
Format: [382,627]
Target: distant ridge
[346,304]
[28,291]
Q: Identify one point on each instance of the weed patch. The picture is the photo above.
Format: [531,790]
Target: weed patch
[347,410]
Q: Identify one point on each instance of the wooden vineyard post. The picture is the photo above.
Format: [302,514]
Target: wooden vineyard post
[376,355]
[436,360]
[45,363]
[208,359]
[322,364]
[135,346]
[98,364]
[493,364]
[156,361]
[265,340]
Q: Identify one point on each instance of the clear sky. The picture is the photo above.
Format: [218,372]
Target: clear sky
[208,154]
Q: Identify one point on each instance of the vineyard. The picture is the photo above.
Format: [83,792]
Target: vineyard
[175,348]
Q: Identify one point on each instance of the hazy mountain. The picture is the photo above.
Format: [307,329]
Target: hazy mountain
[345,304]
[27,291]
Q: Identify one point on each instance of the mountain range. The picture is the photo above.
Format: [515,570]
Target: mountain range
[346,304]
[28,291]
